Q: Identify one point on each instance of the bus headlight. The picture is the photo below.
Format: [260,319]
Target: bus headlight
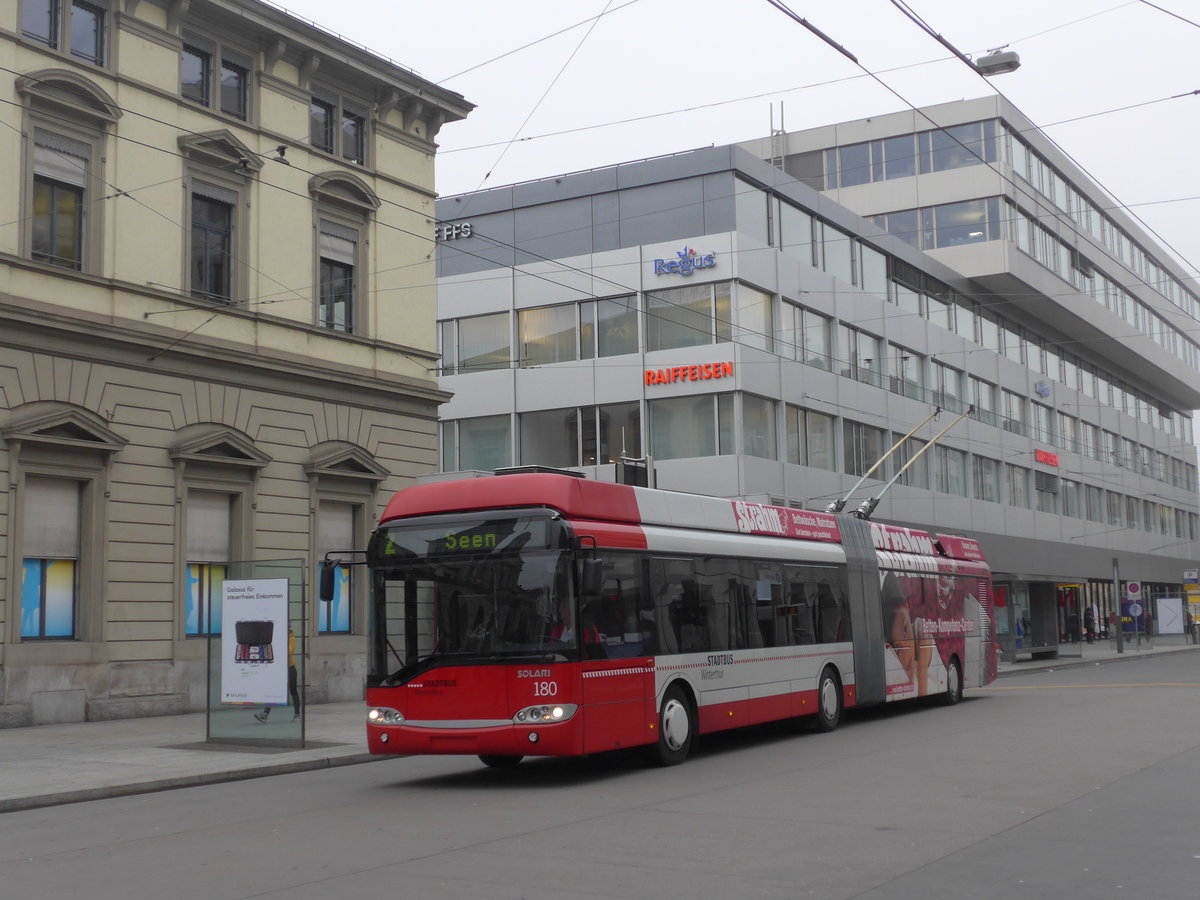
[558,712]
[383,715]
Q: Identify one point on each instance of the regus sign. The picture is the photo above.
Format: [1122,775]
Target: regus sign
[687,261]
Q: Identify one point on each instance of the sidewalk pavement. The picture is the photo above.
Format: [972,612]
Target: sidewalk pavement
[48,765]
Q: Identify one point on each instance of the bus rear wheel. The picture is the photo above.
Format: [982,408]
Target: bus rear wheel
[499,762]
[676,729]
[954,684]
[829,700]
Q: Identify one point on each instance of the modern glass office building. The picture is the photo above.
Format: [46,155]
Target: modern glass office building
[763,321]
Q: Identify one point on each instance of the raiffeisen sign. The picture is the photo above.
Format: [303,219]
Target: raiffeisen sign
[687,261]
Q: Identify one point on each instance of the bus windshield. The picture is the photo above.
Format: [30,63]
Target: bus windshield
[469,591]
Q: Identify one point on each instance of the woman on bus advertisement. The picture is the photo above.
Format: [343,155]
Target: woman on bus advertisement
[926,618]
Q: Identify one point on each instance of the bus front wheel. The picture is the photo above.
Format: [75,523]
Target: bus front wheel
[829,700]
[499,762]
[676,729]
[954,683]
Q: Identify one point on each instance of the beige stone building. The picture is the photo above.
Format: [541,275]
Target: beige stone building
[216,335]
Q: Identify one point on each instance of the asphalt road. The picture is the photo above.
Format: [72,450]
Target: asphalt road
[1069,783]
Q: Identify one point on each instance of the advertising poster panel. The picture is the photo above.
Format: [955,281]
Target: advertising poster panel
[928,618]
[254,659]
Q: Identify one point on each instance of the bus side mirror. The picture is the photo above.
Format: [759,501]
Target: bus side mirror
[593,576]
[326,583]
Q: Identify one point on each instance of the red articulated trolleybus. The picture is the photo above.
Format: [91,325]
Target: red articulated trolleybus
[550,615]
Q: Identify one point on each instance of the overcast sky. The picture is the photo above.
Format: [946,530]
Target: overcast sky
[694,73]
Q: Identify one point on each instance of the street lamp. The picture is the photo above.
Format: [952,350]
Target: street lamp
[997,62]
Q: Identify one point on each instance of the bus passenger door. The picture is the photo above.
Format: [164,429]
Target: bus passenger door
[618,635]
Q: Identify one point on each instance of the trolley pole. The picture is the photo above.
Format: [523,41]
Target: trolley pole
[1117,603]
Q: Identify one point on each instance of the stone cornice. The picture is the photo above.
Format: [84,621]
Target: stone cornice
[145,347]
[401,136]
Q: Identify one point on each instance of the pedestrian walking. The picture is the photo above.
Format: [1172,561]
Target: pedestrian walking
[293,686]
[1089,624]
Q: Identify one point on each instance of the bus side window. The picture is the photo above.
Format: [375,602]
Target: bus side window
[829,614]
[801,613]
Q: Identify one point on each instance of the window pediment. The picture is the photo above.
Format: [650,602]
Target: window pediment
[66,90]
[345,188]
[340,460]
[67,428]
[219,446]
[220,148]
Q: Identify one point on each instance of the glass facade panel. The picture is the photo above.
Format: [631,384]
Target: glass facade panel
[822,454]
[608,432]
[753,318]
[484,342]
[679,317]
[986,478]
[547,334]
[961,223]
[682,427]
[617,326]
[758,427]
[839,254]
[750,207]
[817,339]
[550,438]
[854,164]
[485,443]
[1017,478]
[900,156]
[954,148]
[796,238]
[874,271]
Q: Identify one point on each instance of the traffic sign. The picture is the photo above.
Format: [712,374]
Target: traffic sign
[1134,589]
[1135,609]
